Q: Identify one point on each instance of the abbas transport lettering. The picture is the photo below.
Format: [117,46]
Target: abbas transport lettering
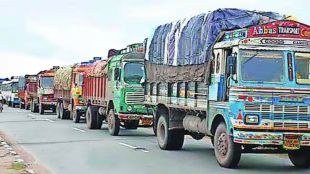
[283,29]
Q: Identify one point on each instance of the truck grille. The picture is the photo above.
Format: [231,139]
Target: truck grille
[134,97]
[290,125]
[280,112]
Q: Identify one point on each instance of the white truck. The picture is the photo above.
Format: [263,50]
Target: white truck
[10,92]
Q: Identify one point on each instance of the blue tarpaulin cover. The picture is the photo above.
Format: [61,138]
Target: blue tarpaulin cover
[180,51]
[189,42]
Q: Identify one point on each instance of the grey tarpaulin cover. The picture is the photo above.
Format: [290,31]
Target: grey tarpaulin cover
[180,51]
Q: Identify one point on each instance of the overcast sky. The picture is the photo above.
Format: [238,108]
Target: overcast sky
[37,34]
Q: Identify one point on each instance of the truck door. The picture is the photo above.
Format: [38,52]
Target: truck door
[214,87]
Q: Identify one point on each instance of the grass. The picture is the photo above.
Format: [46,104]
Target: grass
[18,166]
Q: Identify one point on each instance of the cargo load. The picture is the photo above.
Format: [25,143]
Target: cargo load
[188,43]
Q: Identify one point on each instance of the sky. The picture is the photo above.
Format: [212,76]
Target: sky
[38,34]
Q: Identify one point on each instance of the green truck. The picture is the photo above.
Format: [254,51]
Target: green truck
[114,91]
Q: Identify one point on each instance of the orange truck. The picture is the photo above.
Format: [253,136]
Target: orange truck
[68,89]
[27,90]
[45,99]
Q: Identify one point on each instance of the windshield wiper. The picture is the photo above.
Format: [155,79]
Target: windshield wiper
[251,57]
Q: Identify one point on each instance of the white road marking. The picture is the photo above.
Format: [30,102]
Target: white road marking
[49,120]
[134,147]
[81,130]
[31,115]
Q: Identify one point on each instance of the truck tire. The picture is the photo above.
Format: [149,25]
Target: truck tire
[76,116]
[57,110]
[100,119]
[36,108]
[62,112]
[113,123]
[21,106]
[32,107]
[27,107]
[168,139]
[41,109]
[300,158]
[91,118]
[227,153]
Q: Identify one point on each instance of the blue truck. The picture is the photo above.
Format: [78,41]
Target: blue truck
[240,77]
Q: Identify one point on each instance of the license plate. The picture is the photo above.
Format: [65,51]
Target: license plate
[134,117]
[146,122]
[291,142]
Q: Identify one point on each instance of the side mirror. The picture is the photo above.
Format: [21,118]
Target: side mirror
[232,65]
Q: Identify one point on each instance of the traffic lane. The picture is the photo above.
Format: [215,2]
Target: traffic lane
[198,156]
[67,150]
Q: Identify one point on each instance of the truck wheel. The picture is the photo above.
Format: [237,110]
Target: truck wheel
[91,118]
[57,110]
[168,139]
[54,109]
[36,108]
[154,126]
[300,158]
[227,153]
[100,119]
[76,116]
[41,109]
[62,112]
[32,107]
[113,123]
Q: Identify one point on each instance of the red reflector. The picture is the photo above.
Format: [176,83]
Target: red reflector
[123,116]
[250,99]
[242,97]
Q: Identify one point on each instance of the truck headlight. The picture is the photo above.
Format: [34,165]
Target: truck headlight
[251,119]
[129,108]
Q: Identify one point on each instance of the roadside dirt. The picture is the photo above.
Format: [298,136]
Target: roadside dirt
[15,160]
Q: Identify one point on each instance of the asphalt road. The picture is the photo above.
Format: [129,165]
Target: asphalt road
[68,148]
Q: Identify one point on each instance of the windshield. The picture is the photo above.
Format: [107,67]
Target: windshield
[134,72]
[14,87]
[47,82]
[262,66]
[302,68]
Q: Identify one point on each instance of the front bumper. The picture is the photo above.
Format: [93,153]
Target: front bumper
[144,120]
[267,138]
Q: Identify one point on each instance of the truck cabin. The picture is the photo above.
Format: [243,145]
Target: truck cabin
[128,68]
[270,56]
[263,72]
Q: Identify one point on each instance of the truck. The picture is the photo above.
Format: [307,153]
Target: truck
[2,87]
[27,90]
[241,78]
[113,92]
[10,92]
[68,88]
[45,99]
